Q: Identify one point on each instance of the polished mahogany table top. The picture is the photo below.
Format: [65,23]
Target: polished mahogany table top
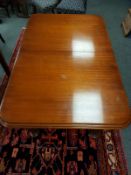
[65,76]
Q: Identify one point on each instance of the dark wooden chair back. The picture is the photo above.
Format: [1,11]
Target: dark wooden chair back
[5,4]
[4,64]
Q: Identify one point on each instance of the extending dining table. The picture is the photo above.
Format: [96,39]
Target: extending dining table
[65,76]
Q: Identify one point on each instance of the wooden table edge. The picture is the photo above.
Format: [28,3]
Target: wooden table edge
[68,126]
[91,15]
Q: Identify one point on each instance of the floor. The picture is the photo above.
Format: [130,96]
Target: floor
[113,13]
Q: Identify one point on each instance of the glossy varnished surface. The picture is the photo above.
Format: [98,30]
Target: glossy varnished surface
[65,76]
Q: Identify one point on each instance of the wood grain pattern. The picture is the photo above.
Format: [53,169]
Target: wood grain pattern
[65,76]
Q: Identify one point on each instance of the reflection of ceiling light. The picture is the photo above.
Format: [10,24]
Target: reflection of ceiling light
[83,55]
[82,46]
[87,107]
[83,49]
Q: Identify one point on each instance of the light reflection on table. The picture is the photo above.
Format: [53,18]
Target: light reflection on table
[83,48]
[87,106]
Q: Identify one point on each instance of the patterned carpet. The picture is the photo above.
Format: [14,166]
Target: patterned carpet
[59,151]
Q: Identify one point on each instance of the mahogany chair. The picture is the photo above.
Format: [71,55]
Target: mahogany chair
[4,64]
[2,39]
[5,5]
[45,5]
[21,7]
[72,6]
[7,71]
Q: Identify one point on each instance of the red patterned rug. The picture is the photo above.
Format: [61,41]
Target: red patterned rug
[59,151]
